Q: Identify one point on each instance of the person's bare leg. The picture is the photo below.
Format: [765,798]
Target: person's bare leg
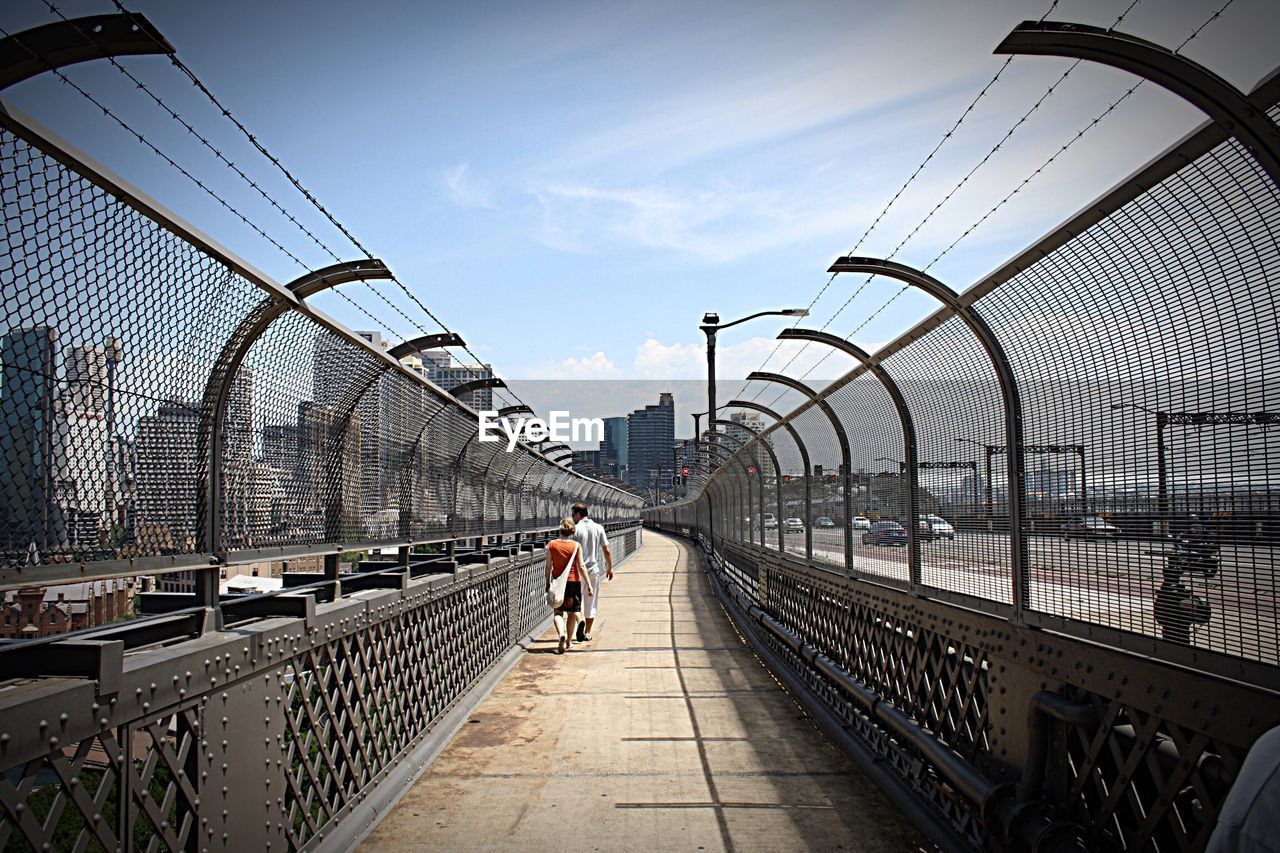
[587,623]
[573,623]
[558,621]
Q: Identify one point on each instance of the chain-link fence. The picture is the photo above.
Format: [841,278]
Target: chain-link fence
[165,407]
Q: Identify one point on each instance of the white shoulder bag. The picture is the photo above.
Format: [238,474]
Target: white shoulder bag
[555,594]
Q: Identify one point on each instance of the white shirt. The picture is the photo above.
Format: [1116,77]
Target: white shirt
[594,540]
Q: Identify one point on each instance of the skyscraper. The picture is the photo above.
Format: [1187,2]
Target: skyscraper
[650,437]
[83,481]
[29,513]
[613,450]
[751,420]
[442,371]
[167,477]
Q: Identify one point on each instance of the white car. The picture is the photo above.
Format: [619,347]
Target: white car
[770,522]
[936,527]
[861,523]
[793,525]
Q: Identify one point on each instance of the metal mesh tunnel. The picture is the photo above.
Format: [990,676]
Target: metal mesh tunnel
[1094,469]
[1020,562]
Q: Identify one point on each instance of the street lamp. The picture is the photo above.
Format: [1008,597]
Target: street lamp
[711,325]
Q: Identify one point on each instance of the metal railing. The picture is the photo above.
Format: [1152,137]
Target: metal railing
[286,733]
[1060,487]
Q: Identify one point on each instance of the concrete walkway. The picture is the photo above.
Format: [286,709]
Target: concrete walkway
[664,733]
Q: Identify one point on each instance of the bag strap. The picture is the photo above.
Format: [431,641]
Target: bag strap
[569,565]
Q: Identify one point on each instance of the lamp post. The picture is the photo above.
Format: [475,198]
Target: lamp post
[711,325]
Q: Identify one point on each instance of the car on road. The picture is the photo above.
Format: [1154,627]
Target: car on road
[770,521]
[885,533]
[861,523]
[824,523]
[1090,525]
[793,525]
[935,527]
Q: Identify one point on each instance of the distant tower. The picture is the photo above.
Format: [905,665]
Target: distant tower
[29,416]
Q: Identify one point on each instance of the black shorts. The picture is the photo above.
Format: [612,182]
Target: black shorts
[572,598]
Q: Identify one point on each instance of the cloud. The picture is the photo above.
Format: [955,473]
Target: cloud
[657,360]
[718,225]
[596,366]
[463,189]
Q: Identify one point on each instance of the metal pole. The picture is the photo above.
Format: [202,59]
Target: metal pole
[1163,504]
[991,507]
[1084,483]
[711,375]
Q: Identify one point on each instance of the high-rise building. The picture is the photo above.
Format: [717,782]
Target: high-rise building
[751,420]
[83,482]
[30,517]
[336,368]
[167,478]
[442,371]
[613,450]
[329,451]
[650,437]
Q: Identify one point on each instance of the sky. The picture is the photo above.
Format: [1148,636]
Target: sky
[571,185]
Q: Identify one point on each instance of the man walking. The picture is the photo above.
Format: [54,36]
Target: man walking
[599,562]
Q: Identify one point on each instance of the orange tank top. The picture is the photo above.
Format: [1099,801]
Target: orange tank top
[560,550]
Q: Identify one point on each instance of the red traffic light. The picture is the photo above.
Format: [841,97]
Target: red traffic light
[786,478]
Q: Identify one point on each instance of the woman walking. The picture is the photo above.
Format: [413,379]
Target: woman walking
[564,555]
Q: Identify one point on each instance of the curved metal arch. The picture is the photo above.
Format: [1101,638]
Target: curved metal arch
[59,44]
[506,413]
[1017,487]
[217,389]
[730,456]
[477,385]
[910,448]
[1230,108]
[846,458]
[804,461]
[426,342]
[777,471]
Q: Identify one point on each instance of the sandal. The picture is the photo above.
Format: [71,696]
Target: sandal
[563,645]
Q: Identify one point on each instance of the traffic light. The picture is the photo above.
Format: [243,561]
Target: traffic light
[751,470]
[786,478]
[676,480]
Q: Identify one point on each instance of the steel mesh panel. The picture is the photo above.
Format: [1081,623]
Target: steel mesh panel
[1166,306]
[952,393]
[823,446]
[877,488]
[108,330]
